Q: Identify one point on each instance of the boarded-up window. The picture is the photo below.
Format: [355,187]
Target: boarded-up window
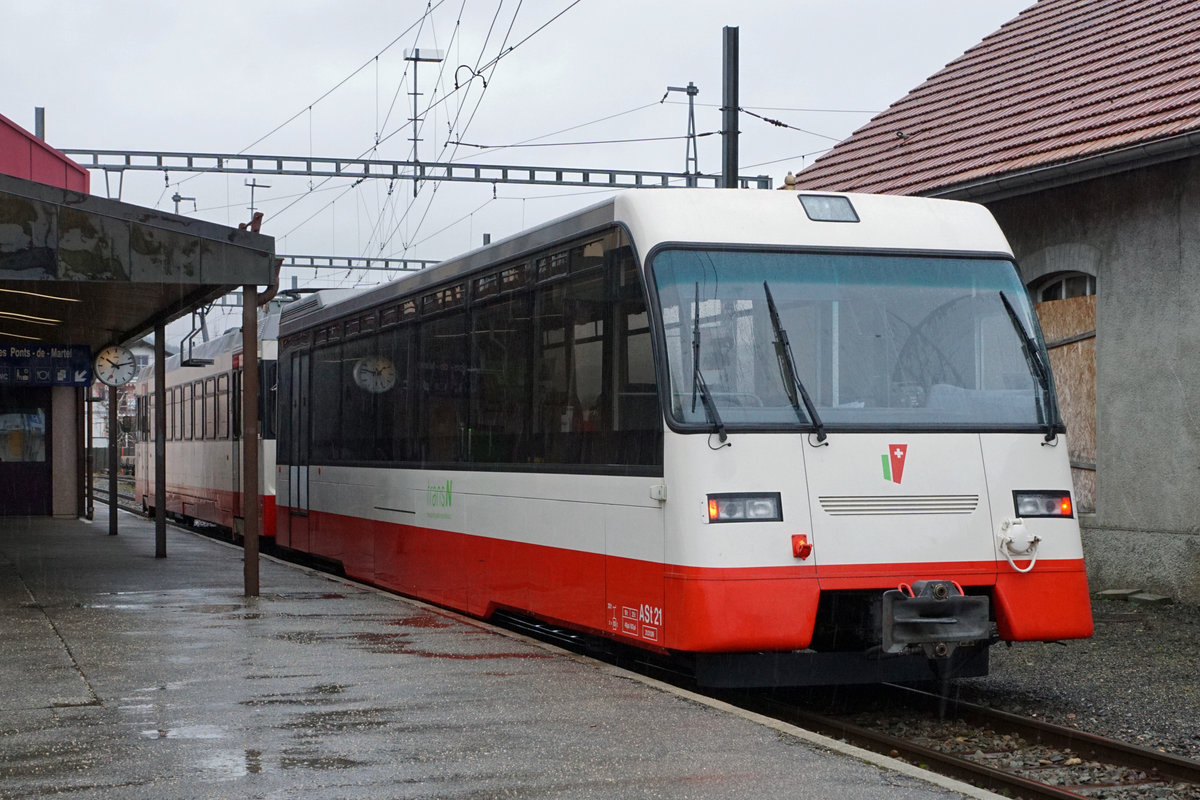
[1070,330]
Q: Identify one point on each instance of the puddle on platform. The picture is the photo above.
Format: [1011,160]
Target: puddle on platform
[299,637]
[317,762]
[232,764]
[399,644]
[422,621]
[186,732]
[321,694]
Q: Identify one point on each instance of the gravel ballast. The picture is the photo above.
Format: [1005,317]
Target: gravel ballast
[1137,679]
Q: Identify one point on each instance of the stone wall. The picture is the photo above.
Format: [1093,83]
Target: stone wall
[1139,234]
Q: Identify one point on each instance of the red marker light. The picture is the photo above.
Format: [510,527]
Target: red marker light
[801,547]
[1064,506]
[714,509]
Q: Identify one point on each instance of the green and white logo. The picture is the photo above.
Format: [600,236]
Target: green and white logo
[439,498]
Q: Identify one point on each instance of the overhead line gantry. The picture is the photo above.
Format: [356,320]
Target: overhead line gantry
[121,161]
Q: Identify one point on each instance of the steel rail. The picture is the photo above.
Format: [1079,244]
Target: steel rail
[934,760]
[1098,748]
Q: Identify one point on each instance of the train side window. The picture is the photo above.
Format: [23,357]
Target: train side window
[235,406]
[361,398]
[284,403]
[327,393]
[210,408]
[139,411]
[638,423]
[198,410]
[571,396]
[396,419]
[268,372]
[185,406]
[223,406]
[442,387]
[501,333]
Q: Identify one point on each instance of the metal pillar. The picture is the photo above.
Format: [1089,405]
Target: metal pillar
[90,458]
[250,520]
[416,56]
[729,110]
[691,163]
[81,460]
[113,464]
[160,441]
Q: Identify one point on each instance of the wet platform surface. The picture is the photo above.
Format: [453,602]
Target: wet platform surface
[126,676]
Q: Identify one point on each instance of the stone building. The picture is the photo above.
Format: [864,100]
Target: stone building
[1078,124]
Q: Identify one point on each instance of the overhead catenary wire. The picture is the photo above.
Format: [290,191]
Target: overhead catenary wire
[780,124]
[593,142]
[493,63]
[582,125]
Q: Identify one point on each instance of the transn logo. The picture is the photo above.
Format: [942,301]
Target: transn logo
[893,462]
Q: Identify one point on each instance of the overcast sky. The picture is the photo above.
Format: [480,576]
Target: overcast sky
[325,78]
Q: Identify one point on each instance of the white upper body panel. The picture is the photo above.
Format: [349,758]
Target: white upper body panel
[757,217]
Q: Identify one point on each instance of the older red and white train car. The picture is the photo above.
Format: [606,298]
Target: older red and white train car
[203,447]
[793,438]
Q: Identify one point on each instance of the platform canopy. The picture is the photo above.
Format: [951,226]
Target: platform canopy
[82,270]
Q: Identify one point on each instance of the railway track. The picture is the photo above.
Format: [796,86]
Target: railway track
[1011,754]
[125,500]
[1007,753]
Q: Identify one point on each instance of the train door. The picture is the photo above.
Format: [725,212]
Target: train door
[299,450]
[236,441]
[634,525]
[25,467]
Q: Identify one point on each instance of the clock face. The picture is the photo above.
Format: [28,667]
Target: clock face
[114,366]
[375,373]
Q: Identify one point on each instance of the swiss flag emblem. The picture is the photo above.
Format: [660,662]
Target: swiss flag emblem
[897,455]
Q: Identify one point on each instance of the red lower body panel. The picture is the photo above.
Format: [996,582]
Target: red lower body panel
[739,610]
[1051,602]
[212,505]
[660,606]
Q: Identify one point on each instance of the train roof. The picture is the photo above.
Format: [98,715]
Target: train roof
[229,341]
[706,216]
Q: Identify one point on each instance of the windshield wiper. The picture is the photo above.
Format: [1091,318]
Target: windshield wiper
[698,384]
[1033,359]
[787,369]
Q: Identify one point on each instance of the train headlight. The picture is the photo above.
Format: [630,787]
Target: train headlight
[1043,504]
[745,507]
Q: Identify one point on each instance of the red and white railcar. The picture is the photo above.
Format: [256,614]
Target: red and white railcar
[203,447]
[796,438]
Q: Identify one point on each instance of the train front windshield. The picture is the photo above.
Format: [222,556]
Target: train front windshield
[877,341]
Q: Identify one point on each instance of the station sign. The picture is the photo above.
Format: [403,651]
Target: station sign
[45,364]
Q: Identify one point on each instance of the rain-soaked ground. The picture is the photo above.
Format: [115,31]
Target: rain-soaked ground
[126,676]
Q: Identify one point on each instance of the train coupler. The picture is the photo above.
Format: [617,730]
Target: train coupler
[934,615]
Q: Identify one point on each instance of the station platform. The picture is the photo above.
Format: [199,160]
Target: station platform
[126,676]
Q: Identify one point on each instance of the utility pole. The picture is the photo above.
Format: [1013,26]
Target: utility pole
[416,56]
[253,184]
[729,109]
[691,164]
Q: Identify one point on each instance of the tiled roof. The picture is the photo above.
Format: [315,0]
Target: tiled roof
[1065,80]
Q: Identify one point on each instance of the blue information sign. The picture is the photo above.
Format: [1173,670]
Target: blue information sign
[45,364]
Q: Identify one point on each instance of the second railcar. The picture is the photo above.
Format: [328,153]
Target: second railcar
[204,441]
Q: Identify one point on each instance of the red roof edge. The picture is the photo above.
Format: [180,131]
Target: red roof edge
[23,155]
